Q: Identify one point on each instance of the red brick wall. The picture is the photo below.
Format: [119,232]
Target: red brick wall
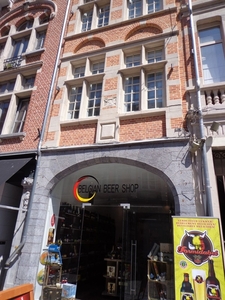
[78,135]
[142,128]
[37,105]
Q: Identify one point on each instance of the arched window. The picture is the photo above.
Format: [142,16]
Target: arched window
[25,25]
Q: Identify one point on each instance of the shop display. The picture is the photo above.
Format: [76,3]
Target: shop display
[160,280]
[117,275]
[51,283]
[83,251]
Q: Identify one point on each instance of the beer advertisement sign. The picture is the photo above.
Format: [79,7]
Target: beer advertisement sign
[198,259]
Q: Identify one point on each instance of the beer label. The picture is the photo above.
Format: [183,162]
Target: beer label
[187,296]
[213,292]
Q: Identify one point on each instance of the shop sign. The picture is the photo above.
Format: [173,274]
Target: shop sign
[198,259]
[83,186]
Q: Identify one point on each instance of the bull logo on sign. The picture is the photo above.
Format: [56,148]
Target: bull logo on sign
[197,247]
[197,242]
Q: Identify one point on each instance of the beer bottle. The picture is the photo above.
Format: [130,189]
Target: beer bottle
[212,283]
[186,289]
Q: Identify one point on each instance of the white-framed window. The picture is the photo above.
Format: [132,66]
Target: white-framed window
[79,71]
[154,83]
[94,15]
[133,60]
[86,21]
[154,56]
[40,40]
[25,25]
[103,16]
[28,82]
[19,46]
[97,67]
[132,93]
[2,46]
[212,55]
[4,105]
[143,78]
[137,8]
[20,115]
[134,8]
[7,87]
[154,5]
[74,102]
[94,101]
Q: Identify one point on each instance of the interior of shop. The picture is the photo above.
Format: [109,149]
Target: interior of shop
[108,223]
[105,248]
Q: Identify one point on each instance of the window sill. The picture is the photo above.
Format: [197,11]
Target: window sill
[68,123]
[142,114]
[147,67]
[20,135]
[91,79]
[35,52]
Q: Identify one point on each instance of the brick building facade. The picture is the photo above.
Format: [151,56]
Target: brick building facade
[129,103]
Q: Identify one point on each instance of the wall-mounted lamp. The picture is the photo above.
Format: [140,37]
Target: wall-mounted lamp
[57,88]
[215,126]
[196,145]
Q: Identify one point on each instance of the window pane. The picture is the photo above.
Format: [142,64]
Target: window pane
[94,101]
[154,56]
[153,5]
[26,25]
[74,103]
[213,63]
[103,16]
[86,21]
[7,87]
[134,8]
[20,115]
[133,60]
[40,40]
[210,35]
[29,82]
[155,90]
[98,68]
[79,72]
[131,93]
[3,111]
[20,46]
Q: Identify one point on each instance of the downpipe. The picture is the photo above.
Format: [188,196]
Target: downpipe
[208,205]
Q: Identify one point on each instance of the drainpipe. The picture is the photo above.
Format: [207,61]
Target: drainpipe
[14,256]
[208,206]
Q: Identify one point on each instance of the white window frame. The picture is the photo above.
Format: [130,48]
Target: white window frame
[97,67]
[133,60]
[132,91]
[79,71]
[103,14]
[19,46]
[213,71]
[3,113]
[8,86]
[135,8]
[94,88]
[28,82]
[149,59]
[156,5]
[20,116]
[86,21]
[75,99]
[40,39]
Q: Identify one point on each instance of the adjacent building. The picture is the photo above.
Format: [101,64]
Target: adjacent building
[110,105]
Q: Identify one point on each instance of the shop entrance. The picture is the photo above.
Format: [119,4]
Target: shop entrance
[111,248]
